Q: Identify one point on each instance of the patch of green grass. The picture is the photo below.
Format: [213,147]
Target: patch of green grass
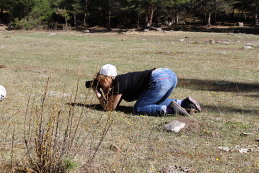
[236,125]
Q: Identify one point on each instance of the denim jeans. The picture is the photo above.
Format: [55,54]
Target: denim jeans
[154,100]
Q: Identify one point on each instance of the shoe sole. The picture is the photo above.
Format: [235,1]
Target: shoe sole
[195,103]
[180,110]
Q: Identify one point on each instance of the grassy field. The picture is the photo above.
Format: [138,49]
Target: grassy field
[44,74]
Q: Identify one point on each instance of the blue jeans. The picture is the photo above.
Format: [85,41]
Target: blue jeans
[154,100]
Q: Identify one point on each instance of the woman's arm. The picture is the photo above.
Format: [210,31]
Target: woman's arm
[113,102]
[108,104]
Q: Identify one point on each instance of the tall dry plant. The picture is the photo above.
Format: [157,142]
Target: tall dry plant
[53,135]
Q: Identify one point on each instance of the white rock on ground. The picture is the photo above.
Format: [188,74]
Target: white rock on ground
[245,150]
[248,47]
[174,126]
[224,149]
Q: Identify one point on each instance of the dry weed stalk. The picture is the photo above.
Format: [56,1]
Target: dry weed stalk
[43,136]
[54,135]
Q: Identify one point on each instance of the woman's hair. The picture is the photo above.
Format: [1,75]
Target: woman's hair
[101,77]
[104,79]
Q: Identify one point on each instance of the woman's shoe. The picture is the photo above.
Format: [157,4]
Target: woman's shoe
[191,105]
[175,108]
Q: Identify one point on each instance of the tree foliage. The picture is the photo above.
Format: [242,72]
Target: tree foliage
[123,13]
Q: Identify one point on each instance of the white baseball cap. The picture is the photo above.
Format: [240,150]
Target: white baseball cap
[108,70]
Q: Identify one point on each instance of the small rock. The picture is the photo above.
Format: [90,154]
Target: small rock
[159,29]
[240,24]
[146,30]
[223,52]
[181,40]
[245,134]
[175,169]
[224,149]
[211,41]
[245,150]
[174,126]
[86,31]
[114,147]
[52,34]
[248,47]
[249,44]
[223,42]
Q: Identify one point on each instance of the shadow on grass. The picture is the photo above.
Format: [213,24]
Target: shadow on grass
[224,86]
[206,108]
[227,110]
[124,109]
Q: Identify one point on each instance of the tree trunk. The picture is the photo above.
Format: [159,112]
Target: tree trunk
[243,14]
[125,21]
[205,18]
[256,15]
[85,14]
[256,18]
[233,13]
[177,18]
[109,16]
[74,16]
[149,15]
[215,19]
[1,15]
[66,23]
[109,20]
[209,19]
[138,22]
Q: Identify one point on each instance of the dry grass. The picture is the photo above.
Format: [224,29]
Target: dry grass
[212,67]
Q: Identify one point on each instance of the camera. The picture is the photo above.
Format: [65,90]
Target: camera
[92,83]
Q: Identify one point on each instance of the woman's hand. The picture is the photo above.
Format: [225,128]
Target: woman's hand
[98,94]
[110,103]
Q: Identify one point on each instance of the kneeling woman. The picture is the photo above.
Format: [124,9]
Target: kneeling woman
[150,89]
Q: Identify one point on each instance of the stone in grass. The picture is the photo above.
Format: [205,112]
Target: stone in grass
[247,47]
[175,169]
[52,34]
[224,149]
[245,134]
[114,148]
[174,126]
[245,150]
[159,29]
